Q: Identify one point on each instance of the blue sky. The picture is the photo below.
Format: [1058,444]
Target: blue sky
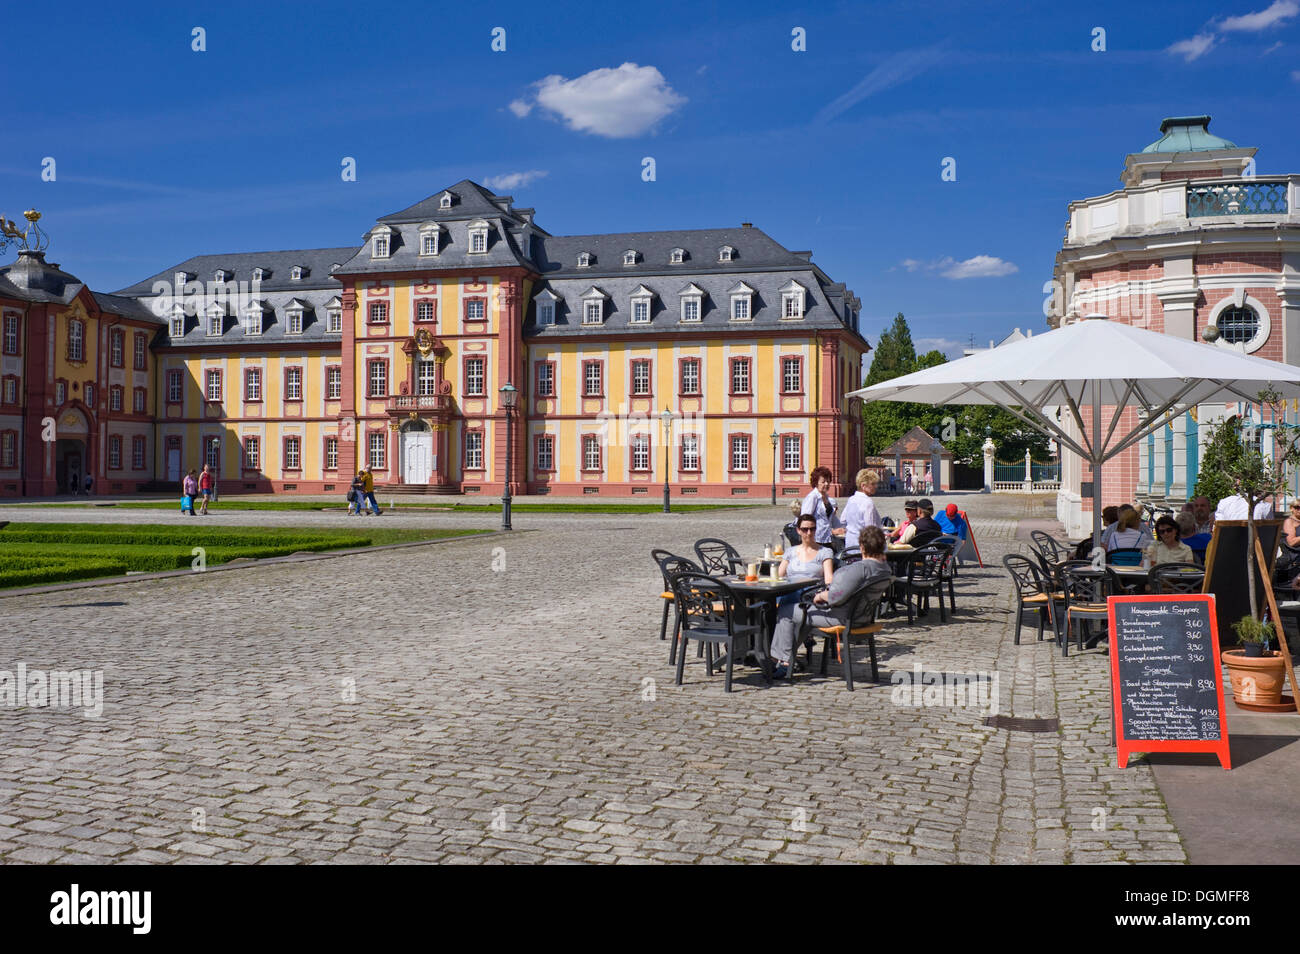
[162,152]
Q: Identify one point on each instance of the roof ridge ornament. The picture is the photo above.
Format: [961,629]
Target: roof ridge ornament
[29,239]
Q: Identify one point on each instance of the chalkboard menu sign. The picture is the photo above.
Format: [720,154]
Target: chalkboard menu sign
[1166,676]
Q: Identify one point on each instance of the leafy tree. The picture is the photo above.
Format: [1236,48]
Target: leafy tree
[1223,453]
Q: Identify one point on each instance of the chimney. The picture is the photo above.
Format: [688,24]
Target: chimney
[746,225]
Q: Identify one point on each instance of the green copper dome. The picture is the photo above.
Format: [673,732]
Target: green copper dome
[1187,134]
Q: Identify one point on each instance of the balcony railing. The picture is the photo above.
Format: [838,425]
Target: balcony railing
[1256,197]
[419,402]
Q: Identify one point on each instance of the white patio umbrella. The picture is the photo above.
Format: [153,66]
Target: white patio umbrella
[1100,363]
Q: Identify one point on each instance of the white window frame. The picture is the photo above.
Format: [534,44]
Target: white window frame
[295,273]
[476,378]
[473,450]
[793,301]
[216,324]
[478,238]
[378,308]
[140,355]
[629,257]
[737,363]
[221,276]
[175,386]
[334,383]
[293,317]
[591,455]
[426,377]
[640,453]
[377,450]
[331,452]
[640,365]
[252,451]
[545,372]
[253,320]
[677,256]
[445,200]
[693,364]
[741,303]
[545,457]
[380,244]
[640,311]
[791,452]
[593,311]
[334,321]
[789,361]
[176,325]
[253,384]
[588,378]
[726,253]
[690,456]
[210,393]
[420,307]
[1240,299]
[292,452]
[584,259]
[377,374]
[116,347]
[76,340]
[258,273]
[740,451]
[546,312]
[429,242]
[293,383]
[139,400]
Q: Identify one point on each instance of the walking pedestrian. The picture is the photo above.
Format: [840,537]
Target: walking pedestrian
[189,488]
[90,483]
[357,494]
[370,492]
[205,488]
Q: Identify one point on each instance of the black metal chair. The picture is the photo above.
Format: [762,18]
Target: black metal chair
[1175,578]
[1031,592]
[924,578]
[719,557]
[791,534]
[670,565]
[1085,589]
[856,617]
[1052,549]
[708,612]
[948,571]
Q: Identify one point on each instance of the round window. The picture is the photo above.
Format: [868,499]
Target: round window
[1238,325]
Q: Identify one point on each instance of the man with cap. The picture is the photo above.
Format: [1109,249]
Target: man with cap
[905,530]
[370,493]
[950,522]
[926,527]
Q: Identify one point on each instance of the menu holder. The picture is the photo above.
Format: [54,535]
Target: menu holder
[1166,676]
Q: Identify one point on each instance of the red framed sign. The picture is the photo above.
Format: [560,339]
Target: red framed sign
[1166,676]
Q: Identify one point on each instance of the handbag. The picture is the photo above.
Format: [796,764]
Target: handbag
[352,496]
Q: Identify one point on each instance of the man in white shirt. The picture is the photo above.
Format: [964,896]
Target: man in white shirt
[1234,508]
[860,512]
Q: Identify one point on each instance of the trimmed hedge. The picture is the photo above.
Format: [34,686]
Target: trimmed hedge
[157,558]
[151,535]
[28,571]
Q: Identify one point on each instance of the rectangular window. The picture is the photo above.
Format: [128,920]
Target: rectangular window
[740,452]
[690,309]
[253,384]
[478,241]
[740,308]
[331,453]
[252,453]
[8,449]
[690,452]
[546,312]
[293,453]
[593,384]
[293,384]
[114,452]
[473,450]
[739,375]
[295,322]
[791,376]
[212,454]
[791,306]
[475,309]
[424,311]
[640,452]
[76,340]
[590,452]
[333,383]
[141,349]
[640,377]
[378,378]
[116,347]
[691,376]
[114,398]
[640,311]
[334,321]
[10,392]
[216,325]
[545,379]
[11,334]
[545,453]
[429,244]
[474,377]
[137,452]
[379,312]
[138,399]
[214,385]
[178,325]
[90,395]
[61,394]
[792,452]
[593,312]
[378,447]
[426,378]
[175,387]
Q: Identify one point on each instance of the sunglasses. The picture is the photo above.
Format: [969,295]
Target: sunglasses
[1168,529]
[807,529]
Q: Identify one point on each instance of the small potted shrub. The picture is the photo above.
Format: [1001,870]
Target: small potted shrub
[1256,671]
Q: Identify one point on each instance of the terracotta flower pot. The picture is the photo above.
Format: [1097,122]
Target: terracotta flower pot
[1255,680]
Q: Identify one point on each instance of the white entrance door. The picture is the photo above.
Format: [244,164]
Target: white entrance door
[417,457]
[174,464]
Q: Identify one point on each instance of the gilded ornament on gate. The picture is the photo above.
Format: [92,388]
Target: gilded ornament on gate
[424,342]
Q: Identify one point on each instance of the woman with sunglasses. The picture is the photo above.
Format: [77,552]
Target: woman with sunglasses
[1167,548]
[809,560]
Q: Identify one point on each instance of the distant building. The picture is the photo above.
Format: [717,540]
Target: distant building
[1016,335]
[913,453]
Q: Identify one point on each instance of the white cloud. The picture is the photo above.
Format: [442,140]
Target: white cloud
[615,103]
[1280,10]
[896,69]
[979,266]
[1194,47]
[514,180]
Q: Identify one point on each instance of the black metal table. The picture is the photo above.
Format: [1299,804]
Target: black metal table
[766,591]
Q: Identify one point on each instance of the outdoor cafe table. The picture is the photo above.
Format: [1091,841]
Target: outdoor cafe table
[766,591]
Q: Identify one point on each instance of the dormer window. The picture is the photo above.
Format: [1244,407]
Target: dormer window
[641,301]
[584,259]
[478,236]
[629,257]
[726,253]
[216,322]
[379,242]
[259,274]
[692,302]
[429,238]
[176,327]
[545,307]
[792,300]
[334,316]
[593,306]
[742,302]
[445,200]
[293,317]
[221,276]
[296,273]
[252,319]
[677,256]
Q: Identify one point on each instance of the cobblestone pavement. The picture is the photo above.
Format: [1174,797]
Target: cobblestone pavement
[415,705]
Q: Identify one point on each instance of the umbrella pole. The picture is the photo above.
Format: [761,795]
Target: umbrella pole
[1096,464]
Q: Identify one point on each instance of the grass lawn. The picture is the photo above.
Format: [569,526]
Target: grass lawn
[36,553]
[233,504]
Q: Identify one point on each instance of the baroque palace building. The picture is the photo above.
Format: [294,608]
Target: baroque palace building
[286,371]
[1195,244]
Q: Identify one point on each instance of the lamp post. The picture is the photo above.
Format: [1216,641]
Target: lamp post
[509,395]
[216,466]
[774,438]
[667,418]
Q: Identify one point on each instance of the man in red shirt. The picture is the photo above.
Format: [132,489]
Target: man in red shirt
[205,488]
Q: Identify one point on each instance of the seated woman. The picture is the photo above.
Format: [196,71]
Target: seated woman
[809,560]
[1128,532]
[1288,557]
[1167,548]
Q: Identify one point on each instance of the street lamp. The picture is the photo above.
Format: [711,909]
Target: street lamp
[216,466]
[774,437]
[509,395]
[667,418]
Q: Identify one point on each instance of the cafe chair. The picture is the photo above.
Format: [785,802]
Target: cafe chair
[708,612]
[1051,548]
[1124,556]
[1085,589]
[924,578]
[1175,578]
[791,534]
[719,557]
[855,617]
[670,565]
[1031,592]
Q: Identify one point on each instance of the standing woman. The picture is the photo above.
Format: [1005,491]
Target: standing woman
[818,503]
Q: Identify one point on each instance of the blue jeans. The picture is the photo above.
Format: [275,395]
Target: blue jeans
[374,504]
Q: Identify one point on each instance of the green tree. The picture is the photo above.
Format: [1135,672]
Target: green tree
[1223,453]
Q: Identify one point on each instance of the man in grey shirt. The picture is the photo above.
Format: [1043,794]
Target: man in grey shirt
[847,582]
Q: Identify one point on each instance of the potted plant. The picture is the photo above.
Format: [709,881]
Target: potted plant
[1256,672]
